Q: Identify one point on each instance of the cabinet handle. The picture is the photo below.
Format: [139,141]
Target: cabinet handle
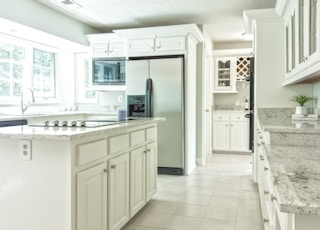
[231,125]
[265,220]
[265,192]
[266,169]
[159,46]
[105,170]
[261,158]
[146,151]
[113,166]
[273,198]
[259,144]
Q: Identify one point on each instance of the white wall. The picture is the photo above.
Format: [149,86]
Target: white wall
[269,55]
[38,16]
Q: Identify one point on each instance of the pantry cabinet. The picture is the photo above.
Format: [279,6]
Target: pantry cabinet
[302,28]
[230,131]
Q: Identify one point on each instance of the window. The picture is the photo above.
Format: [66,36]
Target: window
[23,65]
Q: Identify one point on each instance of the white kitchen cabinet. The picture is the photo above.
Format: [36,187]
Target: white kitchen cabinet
[143,176]
[92,198]
[157,45]
[108,49]
[230,131]
[118,192]
[138,180]
[151,170]
[302,28]
[225,75]
[107,45]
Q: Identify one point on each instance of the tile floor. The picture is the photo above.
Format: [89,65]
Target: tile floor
[217,196]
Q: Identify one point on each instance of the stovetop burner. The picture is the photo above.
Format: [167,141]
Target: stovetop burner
[77,123]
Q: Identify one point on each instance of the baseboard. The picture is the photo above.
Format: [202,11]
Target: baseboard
[170,171]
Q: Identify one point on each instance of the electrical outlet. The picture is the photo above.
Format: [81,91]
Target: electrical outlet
[25,150]
[120,98]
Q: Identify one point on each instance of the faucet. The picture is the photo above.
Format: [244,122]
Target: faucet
[24,107]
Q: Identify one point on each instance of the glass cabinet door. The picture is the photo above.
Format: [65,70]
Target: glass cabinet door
[224,73]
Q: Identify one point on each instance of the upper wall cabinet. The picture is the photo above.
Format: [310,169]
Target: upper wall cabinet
[229,67]
[302,27]
[107,45]
[162,40]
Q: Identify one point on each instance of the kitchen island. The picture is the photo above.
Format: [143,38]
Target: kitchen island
[76,178]
[288,171]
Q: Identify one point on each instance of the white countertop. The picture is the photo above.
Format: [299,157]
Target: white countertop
[66,133]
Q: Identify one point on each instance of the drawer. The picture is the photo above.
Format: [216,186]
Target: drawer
[221,117]
[238,117]
[151,133]
[118,143]
[137,137]
[91,151]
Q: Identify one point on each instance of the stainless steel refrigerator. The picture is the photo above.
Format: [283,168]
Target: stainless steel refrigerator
[166,100]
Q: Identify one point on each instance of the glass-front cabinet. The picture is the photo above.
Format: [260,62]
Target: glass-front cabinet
[302,45]
[225,74]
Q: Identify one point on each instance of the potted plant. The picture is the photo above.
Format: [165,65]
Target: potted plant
[301,100]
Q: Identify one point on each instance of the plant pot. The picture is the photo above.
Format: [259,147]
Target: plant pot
[301,110]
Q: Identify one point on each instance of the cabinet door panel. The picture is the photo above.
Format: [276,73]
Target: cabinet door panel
[138,180]
[141,45]
[118,191]
[221,136]
[239,136]
[117,49]
[170,43]
[151,170]
[92,198]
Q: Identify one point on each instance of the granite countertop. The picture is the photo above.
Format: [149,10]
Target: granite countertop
[67,133]
[296,176]
[280,120]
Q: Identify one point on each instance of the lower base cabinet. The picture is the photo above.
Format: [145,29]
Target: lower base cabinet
[92,198]
[118,192]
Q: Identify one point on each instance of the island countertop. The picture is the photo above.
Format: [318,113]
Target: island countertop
[67,133]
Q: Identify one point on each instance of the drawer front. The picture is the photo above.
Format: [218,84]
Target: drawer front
[118,143]
[91,151]
[137,137]
[238,117]
[221,117]
[151,133]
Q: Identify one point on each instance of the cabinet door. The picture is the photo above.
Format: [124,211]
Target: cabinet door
[118,192]
[170,44]
[141,46]
[239,136]
[151,170]
[92,198]
[225,73]
[99,49]
[138,180]
[221,135]
[117,49]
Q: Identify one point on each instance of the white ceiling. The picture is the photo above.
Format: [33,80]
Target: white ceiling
[222,19]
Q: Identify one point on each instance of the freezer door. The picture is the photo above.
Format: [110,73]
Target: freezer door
[137,71]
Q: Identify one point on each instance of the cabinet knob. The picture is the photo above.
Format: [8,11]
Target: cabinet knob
[266,192]
[113,166]
[265,220]
[105,170]
[146,151]
[266,169]
[272,198]
[261,158]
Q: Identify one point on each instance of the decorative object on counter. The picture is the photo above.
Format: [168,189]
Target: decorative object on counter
[122,115]
[301,100]
[246,103]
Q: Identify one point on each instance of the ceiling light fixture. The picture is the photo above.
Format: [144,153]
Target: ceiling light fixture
[71,2]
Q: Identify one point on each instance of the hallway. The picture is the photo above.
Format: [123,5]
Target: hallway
[217,196]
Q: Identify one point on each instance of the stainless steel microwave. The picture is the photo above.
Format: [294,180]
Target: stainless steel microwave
[108,71]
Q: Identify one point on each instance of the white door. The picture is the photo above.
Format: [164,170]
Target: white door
[151,170]
[92,198]
[138,180]
[118,192]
